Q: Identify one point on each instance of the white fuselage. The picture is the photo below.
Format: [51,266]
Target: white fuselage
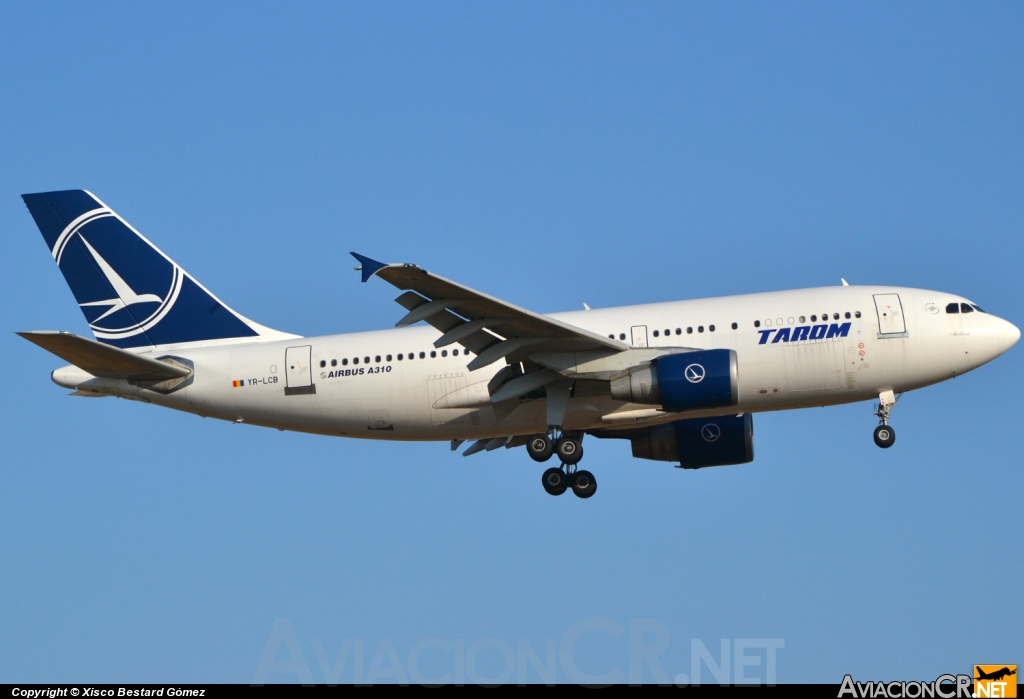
[384,397]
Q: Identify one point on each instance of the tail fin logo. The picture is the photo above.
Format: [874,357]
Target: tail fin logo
[131,294]
[126,312]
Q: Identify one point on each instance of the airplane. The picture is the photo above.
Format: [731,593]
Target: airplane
[680,380]
[996,675]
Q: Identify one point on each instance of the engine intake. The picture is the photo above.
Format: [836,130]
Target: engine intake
[686,381]
[699,442]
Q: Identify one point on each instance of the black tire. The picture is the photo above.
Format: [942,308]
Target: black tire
[540,447]
[554,481]
[569,450]
[885,436]
[583,484]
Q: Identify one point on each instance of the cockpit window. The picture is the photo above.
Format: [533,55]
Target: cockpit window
[979,309]
[953,308]
[966,308]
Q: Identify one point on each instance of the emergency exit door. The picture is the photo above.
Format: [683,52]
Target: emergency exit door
[891,322]
[639,335]
[297,371]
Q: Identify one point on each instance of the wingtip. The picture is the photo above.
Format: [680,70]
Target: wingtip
[369,266]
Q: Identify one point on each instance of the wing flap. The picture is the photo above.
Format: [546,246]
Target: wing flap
[104,361]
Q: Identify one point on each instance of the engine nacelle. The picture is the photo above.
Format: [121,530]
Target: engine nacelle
[686,381]
[699,442]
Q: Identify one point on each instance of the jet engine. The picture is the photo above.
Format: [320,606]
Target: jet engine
[699,442]
[686,381]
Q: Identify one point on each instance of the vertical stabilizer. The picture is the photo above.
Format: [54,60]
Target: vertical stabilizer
[132,295]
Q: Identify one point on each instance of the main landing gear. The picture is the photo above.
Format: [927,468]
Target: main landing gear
[559,479]
[885,436]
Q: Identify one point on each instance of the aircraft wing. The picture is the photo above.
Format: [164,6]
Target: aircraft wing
[103,360]
[491,328]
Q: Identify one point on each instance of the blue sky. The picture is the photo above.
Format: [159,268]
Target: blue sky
[549,155]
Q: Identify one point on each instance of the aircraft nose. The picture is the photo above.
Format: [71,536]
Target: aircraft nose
[1008,334]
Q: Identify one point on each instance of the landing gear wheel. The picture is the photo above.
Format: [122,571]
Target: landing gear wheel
[540,447]
[583,484]
[569,450]
[885,436]
[555,481]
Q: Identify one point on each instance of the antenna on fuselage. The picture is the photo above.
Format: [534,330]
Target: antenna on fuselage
[845,283]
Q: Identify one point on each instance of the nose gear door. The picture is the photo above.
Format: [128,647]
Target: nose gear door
[891,322]
[298,377]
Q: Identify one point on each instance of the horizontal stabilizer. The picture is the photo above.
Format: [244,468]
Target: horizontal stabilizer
[103,360]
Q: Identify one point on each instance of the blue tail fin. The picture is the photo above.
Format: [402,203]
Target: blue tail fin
[132,295]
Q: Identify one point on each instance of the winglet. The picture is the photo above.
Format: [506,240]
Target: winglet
[369,267]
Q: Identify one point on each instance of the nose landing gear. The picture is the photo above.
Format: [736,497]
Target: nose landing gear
[885,436]
[569,449]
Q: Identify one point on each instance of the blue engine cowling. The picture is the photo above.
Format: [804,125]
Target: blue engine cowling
[686,381]
[698,380]
[699,442]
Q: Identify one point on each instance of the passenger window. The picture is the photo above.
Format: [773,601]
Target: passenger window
[611,337]
[711,328]
[655,333]
[389,357]
[355,360]
[399,356]
[847,315]
[366,360]
[334,362]
[803,319]
[700,328]
[757,324]
[966,308]
[679,331]
[856,314]
[814,319]
[322,363]
[344,362]
[455,353]
[622,336]
[433,355]
[689,331]
[953,308]
[767,322]
[835,316]
[423,355]
[734,326]
[444,353]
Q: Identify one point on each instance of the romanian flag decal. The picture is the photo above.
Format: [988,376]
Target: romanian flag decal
[236,384]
